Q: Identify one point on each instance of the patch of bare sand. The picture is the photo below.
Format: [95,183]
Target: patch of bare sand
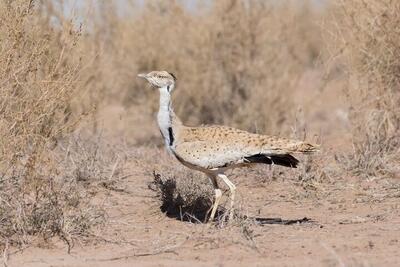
[355,223]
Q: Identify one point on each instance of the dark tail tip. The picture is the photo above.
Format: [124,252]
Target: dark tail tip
[286,160]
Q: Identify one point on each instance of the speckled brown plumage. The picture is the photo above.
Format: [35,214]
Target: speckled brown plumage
[213,149]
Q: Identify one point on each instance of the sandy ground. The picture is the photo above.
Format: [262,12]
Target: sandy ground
[354,223]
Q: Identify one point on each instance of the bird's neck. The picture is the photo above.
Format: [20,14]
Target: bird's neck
[167,120]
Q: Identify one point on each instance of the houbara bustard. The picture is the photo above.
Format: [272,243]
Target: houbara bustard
[214,149]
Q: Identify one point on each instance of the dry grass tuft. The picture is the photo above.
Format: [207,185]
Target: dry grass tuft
[90,161]
[183,196]
[59,203]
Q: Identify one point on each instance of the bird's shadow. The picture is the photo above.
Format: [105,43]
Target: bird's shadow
[201,216]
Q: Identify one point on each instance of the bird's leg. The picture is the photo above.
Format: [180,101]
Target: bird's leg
[218,195]
[232,189]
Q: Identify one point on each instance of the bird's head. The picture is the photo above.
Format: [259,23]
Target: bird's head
[160,79]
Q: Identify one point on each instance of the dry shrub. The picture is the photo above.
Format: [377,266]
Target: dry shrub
[39,81]
[89,159]
[237,62]
[60,204]
[372,48]
[184,196]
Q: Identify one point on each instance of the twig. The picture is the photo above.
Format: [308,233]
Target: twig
[139,255]
[125,176]
[113,169]
[145,254]
[70,245]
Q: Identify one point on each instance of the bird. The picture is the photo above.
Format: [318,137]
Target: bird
[213,149]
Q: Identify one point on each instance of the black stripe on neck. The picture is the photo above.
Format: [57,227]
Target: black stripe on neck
[171,136]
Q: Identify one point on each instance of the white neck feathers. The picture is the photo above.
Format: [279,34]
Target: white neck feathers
[165,116]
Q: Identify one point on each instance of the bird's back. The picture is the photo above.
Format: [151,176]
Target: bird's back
[219,146]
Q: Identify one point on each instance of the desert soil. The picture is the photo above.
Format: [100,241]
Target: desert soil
[355,222]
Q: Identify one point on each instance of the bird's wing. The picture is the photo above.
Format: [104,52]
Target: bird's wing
[219,146]
[208,154]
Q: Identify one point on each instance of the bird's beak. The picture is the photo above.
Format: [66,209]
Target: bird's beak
[142,75]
